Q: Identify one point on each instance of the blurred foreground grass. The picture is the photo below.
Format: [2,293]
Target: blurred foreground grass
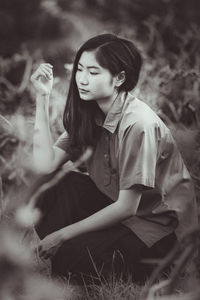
[169,83]
[24,275]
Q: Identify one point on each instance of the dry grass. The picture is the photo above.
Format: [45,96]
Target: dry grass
[16,254]
[23,275]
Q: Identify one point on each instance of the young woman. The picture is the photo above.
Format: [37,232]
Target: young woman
[132,204]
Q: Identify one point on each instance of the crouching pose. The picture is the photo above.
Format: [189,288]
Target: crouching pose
[136,198]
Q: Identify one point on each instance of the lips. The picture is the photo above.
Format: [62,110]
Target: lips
[83,90]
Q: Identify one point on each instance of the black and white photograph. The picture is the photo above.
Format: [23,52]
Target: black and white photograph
[99,149]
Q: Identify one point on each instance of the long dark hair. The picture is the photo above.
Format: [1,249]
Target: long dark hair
[115,54]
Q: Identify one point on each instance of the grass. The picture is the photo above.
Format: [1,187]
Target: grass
[35,278]
[16,252]
[111,288]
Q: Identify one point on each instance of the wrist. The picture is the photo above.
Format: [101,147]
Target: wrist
[62,234]
[42,96]
[42,101]
[68,232]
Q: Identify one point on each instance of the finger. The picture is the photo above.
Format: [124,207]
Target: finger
[42,74]
[34,249]
[47,65]
[37,74]
[47,68]
[42,253]
[47,255]
[42,71]
[46,73]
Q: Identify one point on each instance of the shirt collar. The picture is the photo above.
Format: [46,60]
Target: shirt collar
[112,119]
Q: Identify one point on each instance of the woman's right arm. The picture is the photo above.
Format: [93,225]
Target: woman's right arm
[46,157]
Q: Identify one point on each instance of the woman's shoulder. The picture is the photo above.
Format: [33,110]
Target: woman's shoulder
[140,116]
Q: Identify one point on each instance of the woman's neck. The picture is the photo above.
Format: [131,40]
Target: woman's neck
[106,103]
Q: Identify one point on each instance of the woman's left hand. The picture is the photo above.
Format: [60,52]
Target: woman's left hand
[49,245]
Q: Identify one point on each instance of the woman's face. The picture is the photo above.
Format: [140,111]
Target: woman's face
[93,81]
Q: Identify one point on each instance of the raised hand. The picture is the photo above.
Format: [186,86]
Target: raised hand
[42,79]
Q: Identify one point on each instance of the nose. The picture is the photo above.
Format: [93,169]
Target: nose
[83,79]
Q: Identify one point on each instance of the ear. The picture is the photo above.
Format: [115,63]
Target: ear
[120,78]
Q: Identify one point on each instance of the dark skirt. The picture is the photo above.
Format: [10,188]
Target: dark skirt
[94,255]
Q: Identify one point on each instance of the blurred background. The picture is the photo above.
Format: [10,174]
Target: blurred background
[165,31]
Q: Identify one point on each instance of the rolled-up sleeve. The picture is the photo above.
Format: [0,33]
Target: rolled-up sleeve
[138,156]
[62,141]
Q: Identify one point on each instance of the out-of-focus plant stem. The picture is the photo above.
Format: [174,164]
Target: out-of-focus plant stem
[182,253]
[38,188]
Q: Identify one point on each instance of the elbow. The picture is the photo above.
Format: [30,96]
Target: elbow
[129,213]
[128,202]
[125,211]
[43,165]
[43,168]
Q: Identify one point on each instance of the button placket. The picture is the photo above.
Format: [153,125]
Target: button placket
[106,160]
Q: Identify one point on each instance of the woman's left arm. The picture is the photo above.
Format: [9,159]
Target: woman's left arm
[125,207]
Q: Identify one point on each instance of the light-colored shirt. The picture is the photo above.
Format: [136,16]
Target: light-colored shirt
[137,150]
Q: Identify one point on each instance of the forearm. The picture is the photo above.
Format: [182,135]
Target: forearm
[107,217]
[43,152]
[126,206]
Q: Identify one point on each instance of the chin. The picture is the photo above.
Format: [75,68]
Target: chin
[85,97]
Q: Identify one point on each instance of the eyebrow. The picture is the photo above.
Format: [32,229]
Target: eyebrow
[89,67]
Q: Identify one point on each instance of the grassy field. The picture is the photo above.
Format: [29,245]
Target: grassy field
[24,274]
[169,83]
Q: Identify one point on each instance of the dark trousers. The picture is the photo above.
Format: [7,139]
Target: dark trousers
[114,249]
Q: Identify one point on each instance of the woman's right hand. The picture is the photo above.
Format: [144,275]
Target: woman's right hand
[42,79]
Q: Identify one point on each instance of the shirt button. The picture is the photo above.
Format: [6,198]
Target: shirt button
[106,156]
[164,155]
